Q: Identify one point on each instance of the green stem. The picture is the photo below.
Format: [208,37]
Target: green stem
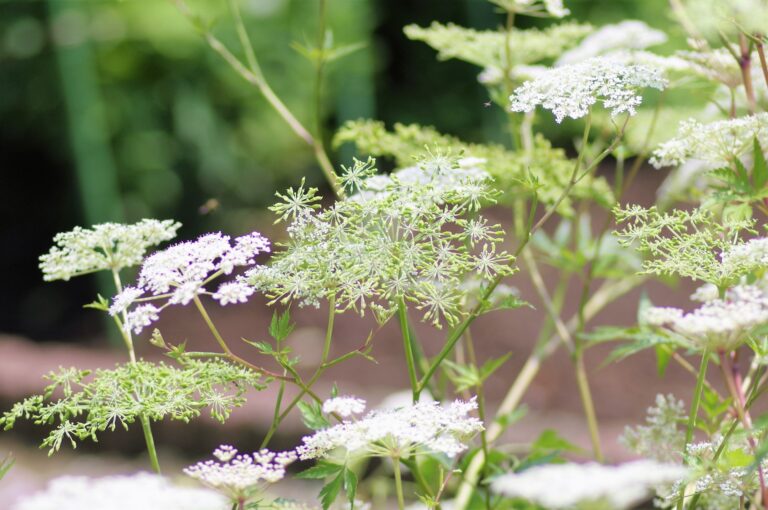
[402,313]
[694,413]
[398,483]
[588,404]
[146,426]
[150,440]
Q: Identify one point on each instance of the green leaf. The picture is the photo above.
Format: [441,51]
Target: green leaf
[350,486]
[330,491]
[321,470]
[101,304]
[280,326]
[760,169]
[551,440]
[663,356]
[312,415]
[490,366]
[6,465]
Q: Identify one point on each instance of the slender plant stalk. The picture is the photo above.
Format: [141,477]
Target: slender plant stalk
[146,426]
[255,77]
[589,405]
[761,53]
[745,64]
[402,313]
[398,483]
[693,414]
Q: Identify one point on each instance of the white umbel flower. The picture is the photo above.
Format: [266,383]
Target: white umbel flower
[716,143]
[238,476]
[752,254]
[140,491]
[718,323]
[107,246]
[572,90]
[627,35]
[582,486]
[344,406]
[233,292]
[426,426]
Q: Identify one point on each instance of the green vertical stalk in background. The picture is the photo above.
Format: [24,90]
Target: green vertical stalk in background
[95,170]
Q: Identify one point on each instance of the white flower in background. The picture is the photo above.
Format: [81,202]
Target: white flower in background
[107,246]
[570,91]
[752,254]
[716,143]
[425,426]
[238,476]
[140,491]
[629,34]
[122,301]
[586,486]
[719,323]
[141,317]
[344,406]
[705,293]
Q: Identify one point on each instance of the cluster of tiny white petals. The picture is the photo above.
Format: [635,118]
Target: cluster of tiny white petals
[554,8]
[752,254]
[179,274]
[139,491]
[571,90]
[441,178]
[237,475]
[705,293]
[107,246]
[718,323]
[629,34]
[233,292]
[568,486]
[344,406]
[716,143]
[123,300]
[425,426]
[141,317]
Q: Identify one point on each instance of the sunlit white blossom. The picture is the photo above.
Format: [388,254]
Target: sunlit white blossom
[107,246]
[583,486]
[716,143]
[139,491]
[344,406]
[141,317]
[572,90]
[720,323]
[124,299]
[238,476]
[752,254]
[425,426]
[628,34]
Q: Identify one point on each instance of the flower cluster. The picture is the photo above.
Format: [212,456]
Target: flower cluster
[718,324]
[402,237]
[107,246]
[239,475]
[344,406]
[572,90]
[180,273]
[576,486]
[716,143]
[142,490]
[751,255]
[627,35]
[660,438]
[424,426]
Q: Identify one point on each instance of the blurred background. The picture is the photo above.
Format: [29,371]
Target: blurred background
[118,110]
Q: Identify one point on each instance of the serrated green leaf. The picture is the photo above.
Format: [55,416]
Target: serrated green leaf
[330,491]
[760,169]
[550,440]
[312,415]
[323,469]
[490,366]
[280,326]
[350,486]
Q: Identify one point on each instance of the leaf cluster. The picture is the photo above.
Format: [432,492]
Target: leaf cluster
[80,404]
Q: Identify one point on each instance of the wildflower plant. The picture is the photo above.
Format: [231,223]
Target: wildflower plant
[449,236]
